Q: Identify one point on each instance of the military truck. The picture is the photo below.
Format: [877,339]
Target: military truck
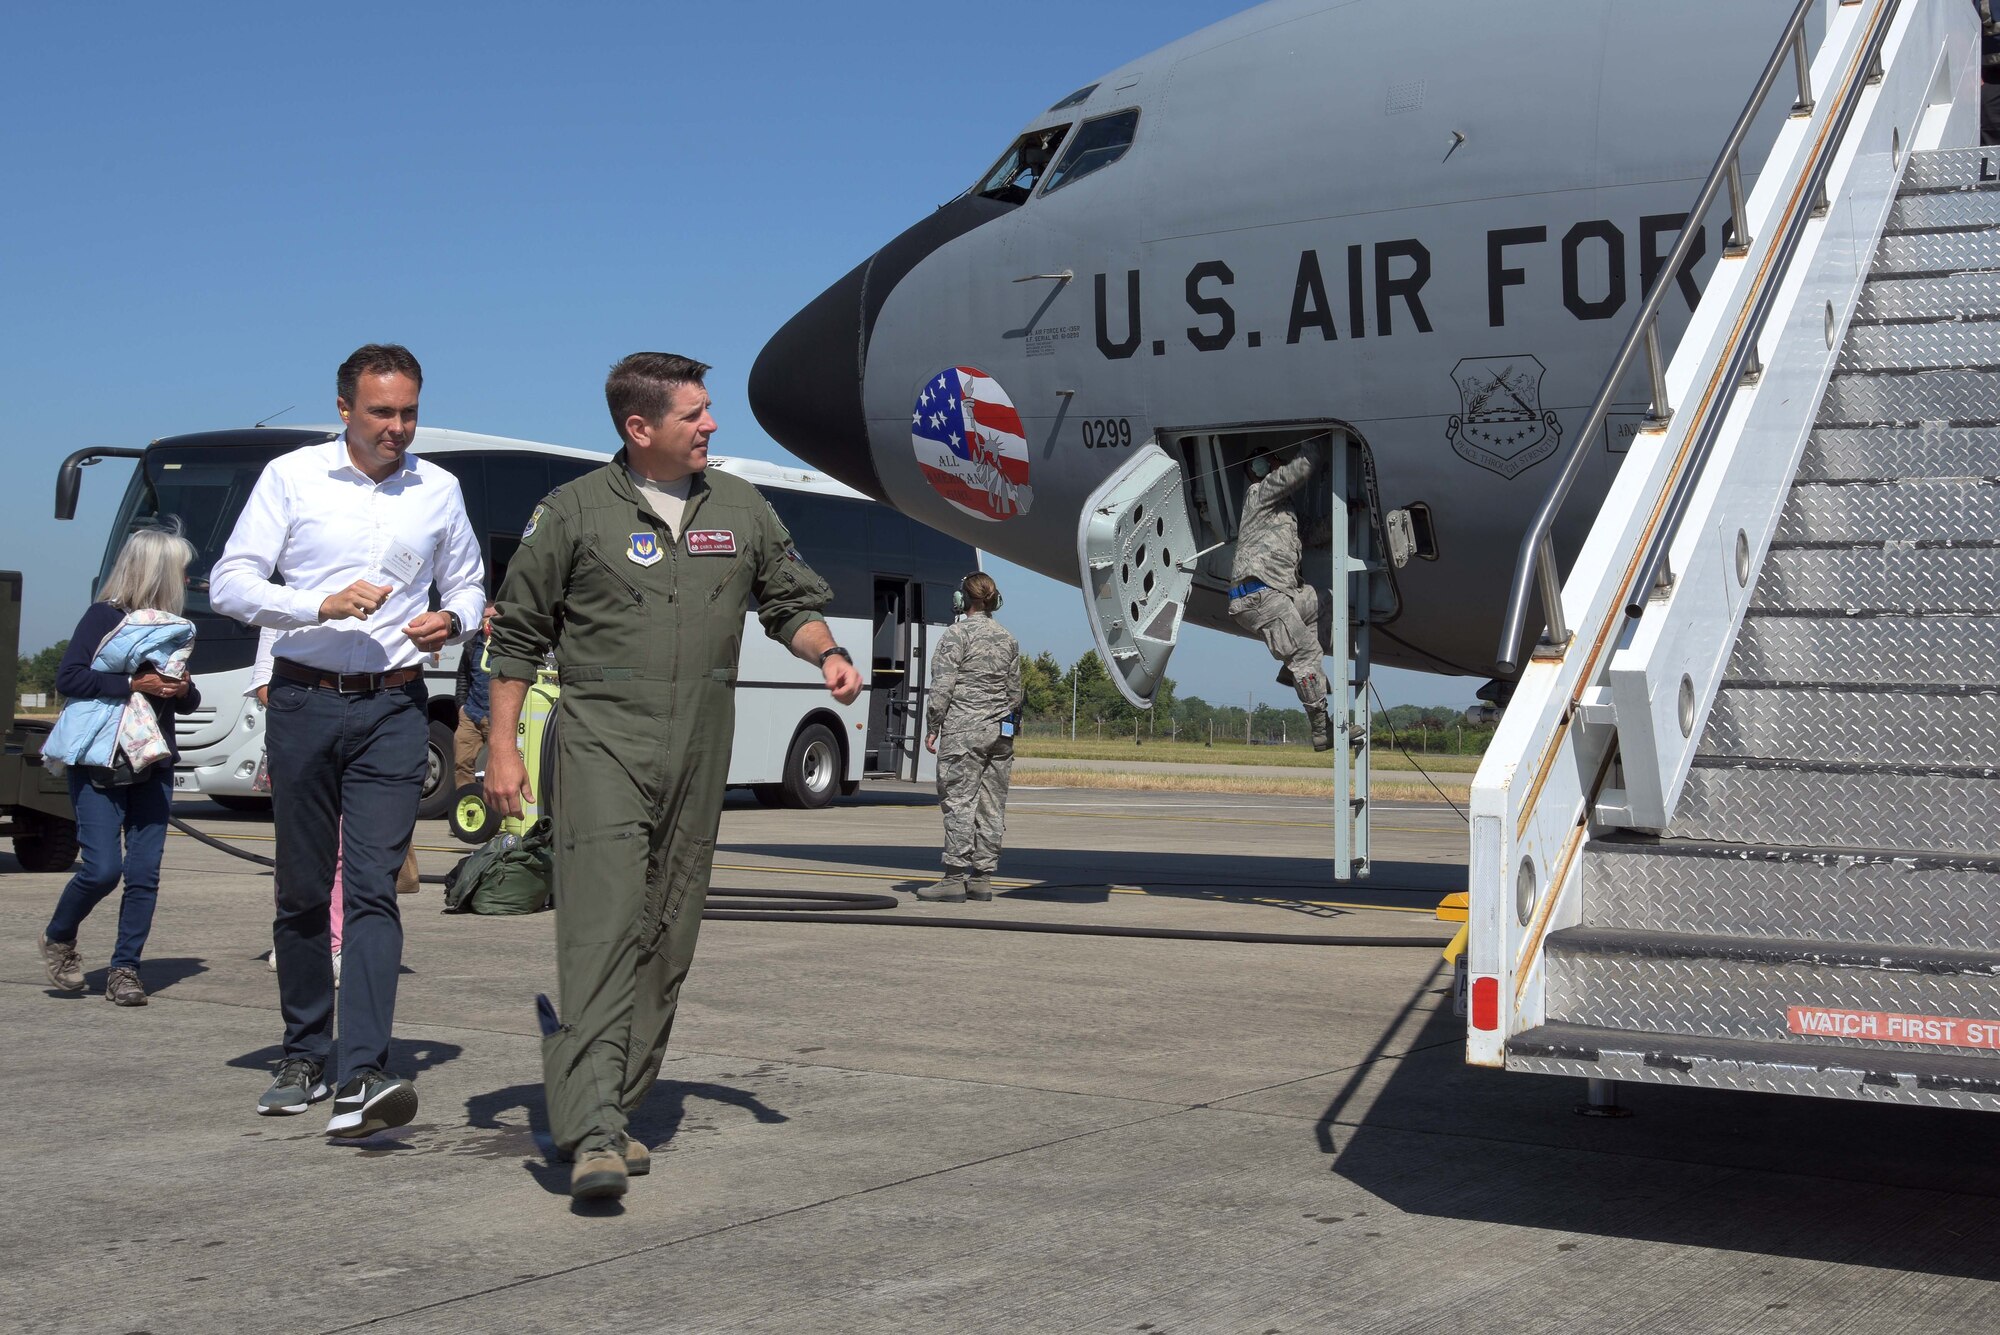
[34,804]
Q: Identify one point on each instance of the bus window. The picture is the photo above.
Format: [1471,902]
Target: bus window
[515,483]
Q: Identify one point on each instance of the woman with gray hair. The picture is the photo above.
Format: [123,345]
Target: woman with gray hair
[117,803]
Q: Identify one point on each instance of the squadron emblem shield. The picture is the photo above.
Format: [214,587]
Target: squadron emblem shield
[1500,424]
[645,550]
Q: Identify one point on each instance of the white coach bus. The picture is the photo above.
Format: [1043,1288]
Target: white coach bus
[892,582]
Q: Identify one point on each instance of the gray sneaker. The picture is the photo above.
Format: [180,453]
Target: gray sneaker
[947,889]
[297,1087]
[372,1101]
[123,988]
[64,965]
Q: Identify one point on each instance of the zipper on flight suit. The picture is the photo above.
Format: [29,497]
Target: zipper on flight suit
[611,570]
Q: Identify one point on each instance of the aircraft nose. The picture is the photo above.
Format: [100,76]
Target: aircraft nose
[806,385]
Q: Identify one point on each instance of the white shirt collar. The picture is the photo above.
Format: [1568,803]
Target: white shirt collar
[343,459]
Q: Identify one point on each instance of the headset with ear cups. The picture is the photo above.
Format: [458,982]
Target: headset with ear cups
[959,602]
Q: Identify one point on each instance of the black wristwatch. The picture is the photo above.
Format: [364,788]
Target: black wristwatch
[457,626]
[836,650]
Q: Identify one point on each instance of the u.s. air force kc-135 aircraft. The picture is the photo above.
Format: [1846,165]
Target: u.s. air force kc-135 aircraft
[1414,230]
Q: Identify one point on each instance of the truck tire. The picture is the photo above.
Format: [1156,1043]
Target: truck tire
[46,843]
[440,760]
[812,768]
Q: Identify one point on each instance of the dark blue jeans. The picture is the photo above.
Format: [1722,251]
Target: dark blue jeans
[138,811]
[356,760]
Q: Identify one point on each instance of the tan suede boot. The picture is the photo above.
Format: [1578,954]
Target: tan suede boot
[638,1158]
[599,1174]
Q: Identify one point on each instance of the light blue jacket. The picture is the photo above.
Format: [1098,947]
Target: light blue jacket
[89,732]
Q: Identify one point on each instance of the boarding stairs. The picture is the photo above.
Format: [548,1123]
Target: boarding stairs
[1754,798]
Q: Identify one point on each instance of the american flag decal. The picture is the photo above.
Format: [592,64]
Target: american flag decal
[970,443]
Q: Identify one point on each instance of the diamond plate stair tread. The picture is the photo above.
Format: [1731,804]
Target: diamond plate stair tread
[1942,345]
[1738,803]
[1917,510]
[1948,297]
[1945,210]
[1740,988]
[1939,1079]
[1868,651]
[1936,252]
[1930,961]
[1857,727]
[1842,454]
[1914,581]
[1920,396]
[1949,169]
[1713,890]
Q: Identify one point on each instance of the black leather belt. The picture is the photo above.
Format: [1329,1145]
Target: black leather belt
[345,683]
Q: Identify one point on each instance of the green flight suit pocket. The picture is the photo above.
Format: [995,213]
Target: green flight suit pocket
[667,888]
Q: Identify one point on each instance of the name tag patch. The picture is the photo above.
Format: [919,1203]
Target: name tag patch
[645,549]
[711,542]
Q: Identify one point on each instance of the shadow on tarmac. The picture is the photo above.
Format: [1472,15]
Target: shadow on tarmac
[157,974]
[1084,876]
[658,1120]
[407,1056]
[1833,1180]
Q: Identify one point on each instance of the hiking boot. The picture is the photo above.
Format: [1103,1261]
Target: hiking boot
[947,889]
[64,965]
[372,1101]
[979,887]
[296,1087]
[123,988]
[638,1158]
[599,1174]
[1322,728]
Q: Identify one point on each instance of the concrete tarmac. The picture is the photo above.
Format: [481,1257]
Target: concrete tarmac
[889,1128]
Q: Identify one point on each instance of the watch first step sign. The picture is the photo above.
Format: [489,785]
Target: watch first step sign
[1824,1022]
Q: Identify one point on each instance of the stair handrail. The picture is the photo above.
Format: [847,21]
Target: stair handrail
[1536,561]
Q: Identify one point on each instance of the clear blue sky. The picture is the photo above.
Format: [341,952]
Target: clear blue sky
[207,207]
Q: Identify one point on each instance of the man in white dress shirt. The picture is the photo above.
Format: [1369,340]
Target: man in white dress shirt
[359,531]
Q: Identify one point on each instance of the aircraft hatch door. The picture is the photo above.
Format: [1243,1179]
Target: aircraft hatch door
[1136,548]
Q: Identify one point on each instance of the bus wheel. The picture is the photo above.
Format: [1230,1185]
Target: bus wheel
[45,843]
[812,768]
[471,819]
[440,760]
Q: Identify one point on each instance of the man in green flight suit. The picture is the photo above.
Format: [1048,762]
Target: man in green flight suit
[638,576]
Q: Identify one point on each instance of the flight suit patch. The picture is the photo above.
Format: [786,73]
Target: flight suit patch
[711,542]
[533,521]
[645,549]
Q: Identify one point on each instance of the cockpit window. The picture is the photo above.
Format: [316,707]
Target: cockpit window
[1075,99]
[1097,145]
[1021,167]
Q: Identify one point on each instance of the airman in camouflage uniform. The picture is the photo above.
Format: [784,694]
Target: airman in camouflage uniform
[638,576]
[975,695]
[1265,594]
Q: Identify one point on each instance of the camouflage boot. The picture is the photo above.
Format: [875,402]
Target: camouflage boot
[947,889]
[1322,727]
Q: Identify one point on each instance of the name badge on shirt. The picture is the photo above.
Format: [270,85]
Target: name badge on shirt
[645,549]
[401,565]
[711,542]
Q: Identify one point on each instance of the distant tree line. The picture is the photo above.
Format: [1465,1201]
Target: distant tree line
[1049,690]
[38,674]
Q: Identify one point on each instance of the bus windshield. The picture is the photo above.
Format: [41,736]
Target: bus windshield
[204,487]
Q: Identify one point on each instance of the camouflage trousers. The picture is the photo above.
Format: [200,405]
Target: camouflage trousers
[1288,623]
[972,773]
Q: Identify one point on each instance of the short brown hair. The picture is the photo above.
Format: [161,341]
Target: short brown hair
[980,588]
[644,385]
[376,359]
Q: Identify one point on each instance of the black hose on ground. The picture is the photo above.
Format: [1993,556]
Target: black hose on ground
[806,905]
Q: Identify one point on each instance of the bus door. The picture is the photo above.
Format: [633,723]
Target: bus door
[896,674]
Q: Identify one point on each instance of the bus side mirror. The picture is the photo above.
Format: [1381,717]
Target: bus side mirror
[69,478]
